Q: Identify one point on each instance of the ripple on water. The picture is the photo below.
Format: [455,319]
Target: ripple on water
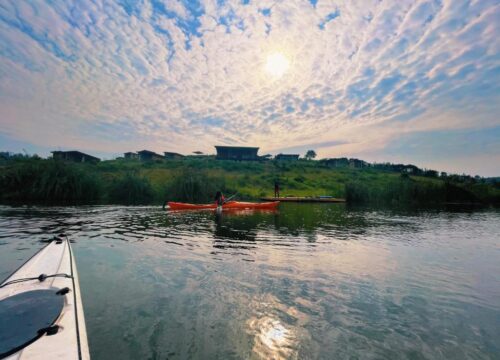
[305,282]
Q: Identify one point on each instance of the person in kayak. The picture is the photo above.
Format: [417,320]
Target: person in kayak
[219,199]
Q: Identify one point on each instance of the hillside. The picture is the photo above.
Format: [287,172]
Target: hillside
[34,180]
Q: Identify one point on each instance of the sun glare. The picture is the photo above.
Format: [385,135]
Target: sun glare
[277,64]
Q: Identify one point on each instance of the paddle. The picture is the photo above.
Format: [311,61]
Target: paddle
[229,198]
[226,200]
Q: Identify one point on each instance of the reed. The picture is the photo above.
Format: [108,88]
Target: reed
[405,190]
[131,189]
[194,186]
[35,180]
[49,181]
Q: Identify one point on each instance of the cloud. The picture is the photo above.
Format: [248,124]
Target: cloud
[178,75]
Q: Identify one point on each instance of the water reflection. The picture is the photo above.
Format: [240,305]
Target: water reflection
[277,329]
[306,281]
[272,340]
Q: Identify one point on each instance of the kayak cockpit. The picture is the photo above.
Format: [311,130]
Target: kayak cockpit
[27,316]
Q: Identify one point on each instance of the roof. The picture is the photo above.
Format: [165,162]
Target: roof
[148,152]
[74,152]
[172,153]
[236,147]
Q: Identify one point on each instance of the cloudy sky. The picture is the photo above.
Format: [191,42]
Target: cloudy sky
[401,81]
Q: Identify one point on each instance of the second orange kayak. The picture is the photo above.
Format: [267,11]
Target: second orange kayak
[228,205]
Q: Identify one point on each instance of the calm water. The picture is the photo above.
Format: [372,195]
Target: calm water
[307,282]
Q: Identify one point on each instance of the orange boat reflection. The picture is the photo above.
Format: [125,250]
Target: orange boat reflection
[230,205]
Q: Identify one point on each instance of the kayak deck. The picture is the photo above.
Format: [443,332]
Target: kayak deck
[70,338]
[228,205]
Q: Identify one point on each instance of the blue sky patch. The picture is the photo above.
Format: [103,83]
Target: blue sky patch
[328,18]
[265,11]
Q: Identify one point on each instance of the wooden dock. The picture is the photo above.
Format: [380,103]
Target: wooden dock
[304,199]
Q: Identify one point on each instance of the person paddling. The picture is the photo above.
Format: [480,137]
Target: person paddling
[219,199]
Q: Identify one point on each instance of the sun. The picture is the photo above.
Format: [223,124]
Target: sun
[277,65]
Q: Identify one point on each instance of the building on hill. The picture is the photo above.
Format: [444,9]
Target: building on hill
[344,162]
[75,156]
[131,155]
[411,169]
[237,153]
[172,155]
[146,155]
[356,163]
[204,156]
[336,162]
[287,157]
[402,168]
[200,155]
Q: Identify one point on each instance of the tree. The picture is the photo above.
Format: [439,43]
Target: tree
[310,154]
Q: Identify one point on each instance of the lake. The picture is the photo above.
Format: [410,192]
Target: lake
[310,281]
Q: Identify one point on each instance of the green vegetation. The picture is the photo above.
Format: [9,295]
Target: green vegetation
[35,180]
[130,189]
[310,154]
[194,186]
[396,191]
[48,181]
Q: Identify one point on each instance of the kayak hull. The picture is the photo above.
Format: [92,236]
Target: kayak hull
[70,341]
[227,206]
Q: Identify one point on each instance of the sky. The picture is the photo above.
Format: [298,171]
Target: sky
[401,81]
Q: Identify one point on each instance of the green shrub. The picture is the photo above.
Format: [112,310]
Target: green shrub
[195,186]
[357,193]
[50,181]
[300,179]
[32,180]
[130,189]
[397,190]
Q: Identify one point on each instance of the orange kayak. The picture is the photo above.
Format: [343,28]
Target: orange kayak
[228,205]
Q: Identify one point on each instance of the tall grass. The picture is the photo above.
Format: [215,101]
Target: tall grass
[131,189]
[196,180]
[196,186]
[49,182]
[408,191]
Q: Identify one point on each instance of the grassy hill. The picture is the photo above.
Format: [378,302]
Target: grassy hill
[34,180]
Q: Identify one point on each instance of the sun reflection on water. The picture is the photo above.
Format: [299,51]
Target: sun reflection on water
[272,339]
